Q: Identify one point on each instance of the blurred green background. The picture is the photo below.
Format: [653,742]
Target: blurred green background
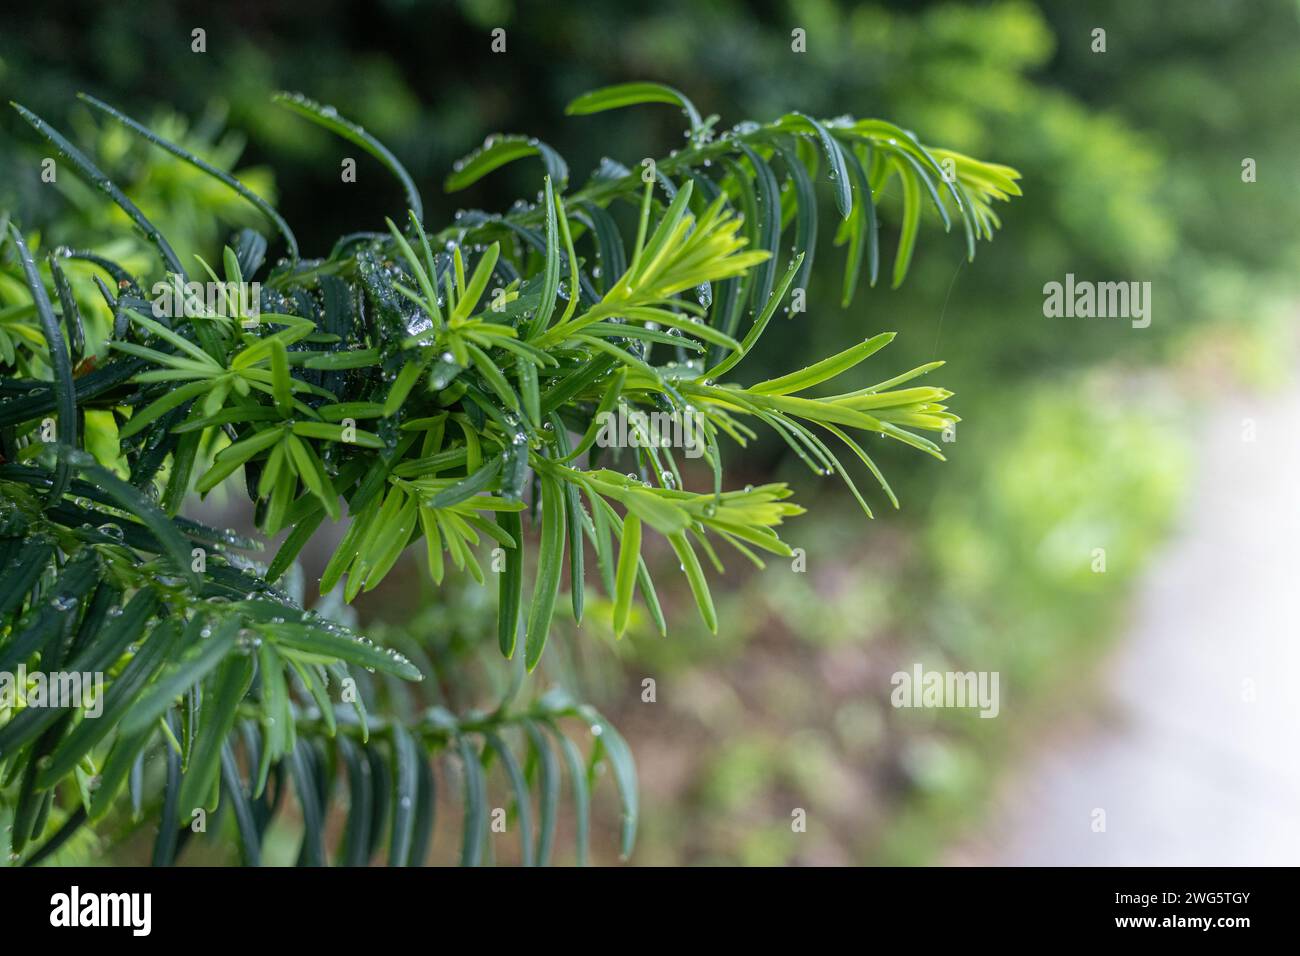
[1075,432]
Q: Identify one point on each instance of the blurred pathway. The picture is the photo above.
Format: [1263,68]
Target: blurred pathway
[1195,755]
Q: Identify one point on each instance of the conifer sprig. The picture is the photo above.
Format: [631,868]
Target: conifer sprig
[441,390]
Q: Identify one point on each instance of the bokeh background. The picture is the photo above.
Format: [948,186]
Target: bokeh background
[1156,691]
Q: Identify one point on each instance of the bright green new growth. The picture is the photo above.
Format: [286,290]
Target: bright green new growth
[427,387]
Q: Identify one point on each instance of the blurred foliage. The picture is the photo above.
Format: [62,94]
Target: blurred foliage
[1132,165]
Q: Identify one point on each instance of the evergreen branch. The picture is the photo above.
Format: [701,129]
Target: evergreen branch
[490,364]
